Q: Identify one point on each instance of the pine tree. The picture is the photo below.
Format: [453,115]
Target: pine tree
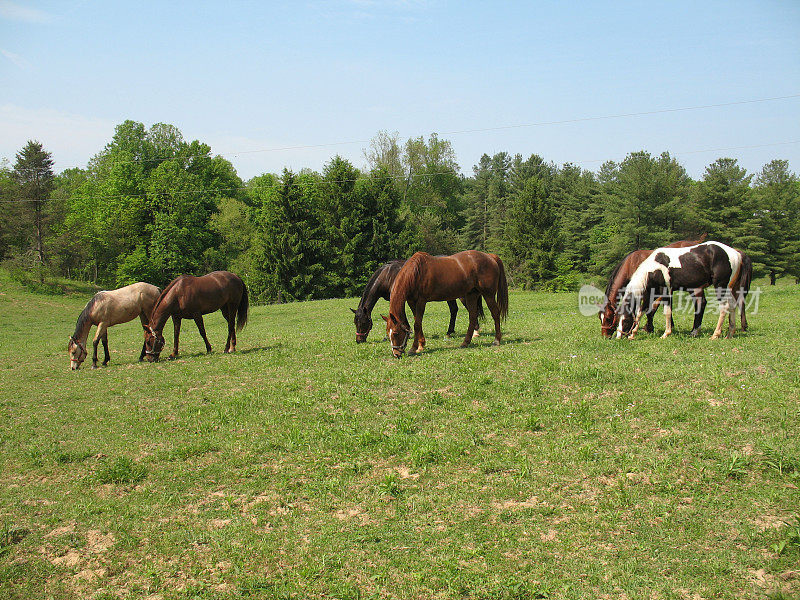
[767,230]
[33,172]
[533,240]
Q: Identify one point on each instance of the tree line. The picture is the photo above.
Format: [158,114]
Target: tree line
[151,206]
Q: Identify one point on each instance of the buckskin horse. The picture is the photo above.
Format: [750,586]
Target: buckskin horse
[425,278]
[620,277]
[190,297]
[380,286]
[105,309]
[693,269]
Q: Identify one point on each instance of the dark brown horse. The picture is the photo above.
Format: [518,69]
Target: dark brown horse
[189,297]
[380,286]
[620,277]
[425,278]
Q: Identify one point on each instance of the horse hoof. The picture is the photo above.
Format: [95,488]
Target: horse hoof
[172,357]
[695,333]
[94,367]
[496,343]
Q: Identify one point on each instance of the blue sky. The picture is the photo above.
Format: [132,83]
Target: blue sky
[255,77]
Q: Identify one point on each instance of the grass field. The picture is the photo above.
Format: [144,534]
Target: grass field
[558,465]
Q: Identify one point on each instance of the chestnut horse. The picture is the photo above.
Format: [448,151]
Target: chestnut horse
[109,308]
[379,286]
[620,277]
[692,269]
[425,278]
[190,297]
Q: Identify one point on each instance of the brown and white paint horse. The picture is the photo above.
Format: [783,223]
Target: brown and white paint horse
[425,278]
[621,276]
[109,308]
[190,297]
[692,269]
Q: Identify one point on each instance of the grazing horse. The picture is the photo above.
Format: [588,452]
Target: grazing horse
[190,297]
[109,308]
[620,277]
[425,278]
[693,269]
[379,286]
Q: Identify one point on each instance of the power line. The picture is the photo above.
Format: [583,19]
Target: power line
[392,177]
[477,130]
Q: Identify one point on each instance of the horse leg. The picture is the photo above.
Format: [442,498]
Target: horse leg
[699,298]
[176,324]
[105,348]
[230,317]
[741,297]
[648,327]
[98,335]
[636,320]
[419,337]
[471,302]
[451,329]
[145,322]
[732,305]
[495,310]
[668,315]
[723,311]
[202,328]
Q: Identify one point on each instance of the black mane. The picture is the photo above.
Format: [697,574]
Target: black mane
[371,291]
[85,316]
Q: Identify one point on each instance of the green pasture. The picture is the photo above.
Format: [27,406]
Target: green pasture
[557,465]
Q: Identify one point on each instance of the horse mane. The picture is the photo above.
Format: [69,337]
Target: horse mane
[85,316]
[369,288]
[406,281]
[614,273]
[163,294]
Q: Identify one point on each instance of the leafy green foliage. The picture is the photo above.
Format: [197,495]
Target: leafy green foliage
[152,205]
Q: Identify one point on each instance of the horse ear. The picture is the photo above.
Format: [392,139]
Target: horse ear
[384,318]
[353,310]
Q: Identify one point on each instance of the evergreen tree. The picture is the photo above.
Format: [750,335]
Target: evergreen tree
[767,231]
[721,200]
[33,172]
[533,240]
[294,242]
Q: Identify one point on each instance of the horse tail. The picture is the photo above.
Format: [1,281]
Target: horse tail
[502,288]
[244,306]
[481,314]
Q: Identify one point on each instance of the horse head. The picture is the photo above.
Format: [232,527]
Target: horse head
[363,324]
[608,319]
[624,315]
[153,344]
[77,353]
[398,334]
